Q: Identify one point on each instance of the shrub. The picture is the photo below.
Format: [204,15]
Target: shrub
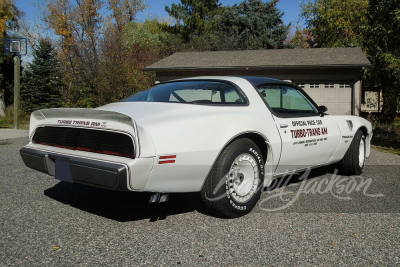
[8,120]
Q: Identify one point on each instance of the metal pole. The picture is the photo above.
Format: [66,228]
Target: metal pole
[17,70]
[2,105]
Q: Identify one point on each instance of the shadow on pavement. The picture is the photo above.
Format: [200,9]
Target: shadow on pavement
[131,206]
[122,206]
[294,179]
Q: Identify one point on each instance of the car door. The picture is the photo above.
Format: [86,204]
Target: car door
[308,139]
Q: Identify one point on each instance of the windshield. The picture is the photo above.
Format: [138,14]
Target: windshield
[191,92]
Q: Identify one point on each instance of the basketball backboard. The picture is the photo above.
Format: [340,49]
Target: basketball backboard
[14,46]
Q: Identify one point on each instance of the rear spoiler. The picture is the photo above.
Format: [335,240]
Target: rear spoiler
[81,117]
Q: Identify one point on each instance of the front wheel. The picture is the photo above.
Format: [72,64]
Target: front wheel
[354,159]
[234,184]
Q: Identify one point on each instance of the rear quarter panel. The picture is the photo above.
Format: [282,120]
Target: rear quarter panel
[196,134]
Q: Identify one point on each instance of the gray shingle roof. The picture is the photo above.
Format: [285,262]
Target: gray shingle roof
[272,58]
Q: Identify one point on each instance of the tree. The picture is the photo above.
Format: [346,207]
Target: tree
[78,26]
[9,22]
[41,83]
[140,44]
[195,17]
[150,35]
[335,23]
[9,15]
[370,24]
[259,24]
[221,39]
[124,11]
[381,45]
[299,38]
[96,66]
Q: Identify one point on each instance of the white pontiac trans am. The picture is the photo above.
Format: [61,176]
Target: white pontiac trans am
[225,137]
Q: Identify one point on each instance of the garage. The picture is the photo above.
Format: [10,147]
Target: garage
[335,96]
[331,76]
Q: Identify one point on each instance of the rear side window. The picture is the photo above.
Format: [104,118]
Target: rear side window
[286,99]
[191,92]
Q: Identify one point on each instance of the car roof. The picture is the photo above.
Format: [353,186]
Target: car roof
[255,81]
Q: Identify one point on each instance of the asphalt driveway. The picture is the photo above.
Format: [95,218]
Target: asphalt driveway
[325,220]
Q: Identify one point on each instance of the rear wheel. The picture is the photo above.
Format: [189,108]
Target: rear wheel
[234,184]
[354,159]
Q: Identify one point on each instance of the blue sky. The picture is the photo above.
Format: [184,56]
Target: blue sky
[291,8]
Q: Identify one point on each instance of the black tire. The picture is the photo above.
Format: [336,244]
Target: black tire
[216,193]
[350,163]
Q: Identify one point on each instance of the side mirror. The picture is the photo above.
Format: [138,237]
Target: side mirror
[322,109]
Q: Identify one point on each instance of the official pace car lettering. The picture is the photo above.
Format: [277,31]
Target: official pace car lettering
[310,132]
[306,123]
[311,142]
[84,123]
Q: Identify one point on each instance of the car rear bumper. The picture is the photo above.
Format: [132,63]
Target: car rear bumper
[112,176]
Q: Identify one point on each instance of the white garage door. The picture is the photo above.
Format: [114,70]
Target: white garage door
[336,97]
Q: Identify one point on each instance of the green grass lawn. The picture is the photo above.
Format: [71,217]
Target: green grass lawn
[387,141]
[4,124]
[386,144]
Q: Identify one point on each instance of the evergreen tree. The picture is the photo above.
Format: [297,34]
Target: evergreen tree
[195,17]
[41,83]
[259,24]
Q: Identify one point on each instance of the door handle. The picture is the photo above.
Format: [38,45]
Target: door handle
[284,125]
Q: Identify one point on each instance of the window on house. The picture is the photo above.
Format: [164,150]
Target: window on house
[344,85]
[301,85]
[314,85]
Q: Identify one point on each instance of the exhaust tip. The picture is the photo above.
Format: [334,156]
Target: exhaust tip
[164,198]
[154,198]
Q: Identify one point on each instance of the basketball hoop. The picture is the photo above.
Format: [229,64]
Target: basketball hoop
[15,46]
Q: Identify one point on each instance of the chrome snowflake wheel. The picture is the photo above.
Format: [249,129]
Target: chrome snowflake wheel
[243,178]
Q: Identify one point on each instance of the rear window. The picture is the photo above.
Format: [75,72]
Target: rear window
[191,92]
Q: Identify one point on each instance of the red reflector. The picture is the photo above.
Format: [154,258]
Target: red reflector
[66,147]
[110,152]
[82,148]
[168,157]
[166,161]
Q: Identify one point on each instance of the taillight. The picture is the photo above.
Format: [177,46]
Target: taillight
[97,141]
[106,152]
[50,144]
